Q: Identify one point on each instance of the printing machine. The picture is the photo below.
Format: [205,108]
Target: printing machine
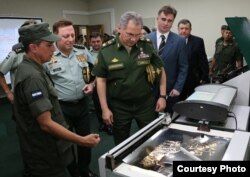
[150,152]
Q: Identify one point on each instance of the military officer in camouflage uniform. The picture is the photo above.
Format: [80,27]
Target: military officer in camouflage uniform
[227,57]
[42,130]
[10,64]
[69,69]
[126,70]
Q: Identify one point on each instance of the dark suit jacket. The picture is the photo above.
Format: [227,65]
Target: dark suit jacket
[197,57]
[198,64]
[174,56]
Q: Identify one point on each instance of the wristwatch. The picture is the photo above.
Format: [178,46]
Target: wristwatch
[163,96]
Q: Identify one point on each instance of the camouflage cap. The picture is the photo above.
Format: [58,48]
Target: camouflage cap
[38,31]
[223,27]
[227,28]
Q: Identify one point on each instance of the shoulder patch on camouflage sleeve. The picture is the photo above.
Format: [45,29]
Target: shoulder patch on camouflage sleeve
[36,94]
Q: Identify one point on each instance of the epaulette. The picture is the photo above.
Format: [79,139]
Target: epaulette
[108,43]
[145,39]
[18,48]
[79,46]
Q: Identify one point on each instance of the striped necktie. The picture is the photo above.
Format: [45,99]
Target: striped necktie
[162,44]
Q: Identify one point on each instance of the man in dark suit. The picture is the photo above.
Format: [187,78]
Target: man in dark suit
[173,53]
[197,59]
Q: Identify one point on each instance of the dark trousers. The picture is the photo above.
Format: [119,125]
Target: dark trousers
[54,175]
[188,89]
[62,173]
[77,116]
[171,101]
[143,111]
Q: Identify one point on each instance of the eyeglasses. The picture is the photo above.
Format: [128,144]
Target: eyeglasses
[130,35]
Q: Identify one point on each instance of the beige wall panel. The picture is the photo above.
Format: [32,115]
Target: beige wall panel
[49,10]
[102,18]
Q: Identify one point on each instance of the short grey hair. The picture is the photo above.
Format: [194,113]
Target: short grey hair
[127,16]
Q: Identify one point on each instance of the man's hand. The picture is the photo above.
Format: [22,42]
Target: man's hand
[10,97]
[174,93]
[91,140]
[88,89]
[107,117]
[160,104]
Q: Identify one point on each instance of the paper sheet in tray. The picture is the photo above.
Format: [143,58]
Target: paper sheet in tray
[170,144]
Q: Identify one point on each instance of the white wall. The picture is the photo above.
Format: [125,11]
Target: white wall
[49,10]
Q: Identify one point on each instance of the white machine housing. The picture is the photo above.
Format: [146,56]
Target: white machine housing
[209,102]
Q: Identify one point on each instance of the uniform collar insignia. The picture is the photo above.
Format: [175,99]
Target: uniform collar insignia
[53,59]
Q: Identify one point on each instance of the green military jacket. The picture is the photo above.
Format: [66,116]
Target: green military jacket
[127,78]
[35,94]
[226,56]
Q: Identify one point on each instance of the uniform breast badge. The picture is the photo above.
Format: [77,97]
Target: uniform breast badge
[81,58]
[142,55]
[55,66]
[143,58]
[115,64]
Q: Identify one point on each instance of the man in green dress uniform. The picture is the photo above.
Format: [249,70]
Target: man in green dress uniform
[126,70]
